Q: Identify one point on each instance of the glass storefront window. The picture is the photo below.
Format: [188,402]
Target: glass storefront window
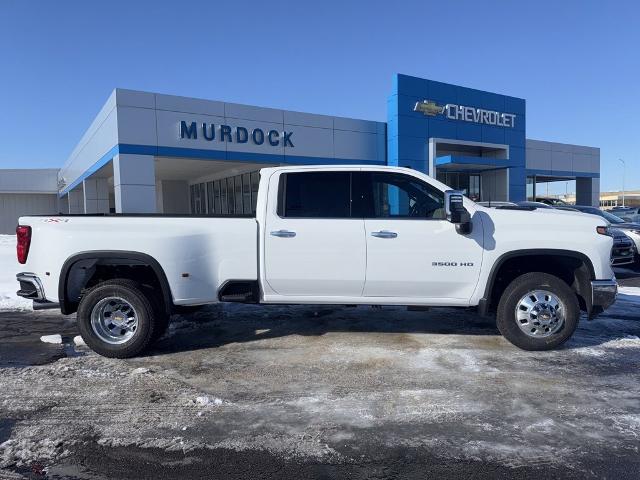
[231,203]
[223,197]
[531,189]
[255,181]
[235,195]
[216,194]
[246,193]
[238,193]
[474,188]
[210,198]
[468,183]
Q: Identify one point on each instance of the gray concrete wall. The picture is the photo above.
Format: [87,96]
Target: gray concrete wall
[562,157]
[16,205]
[588,191]
[494,185]
[25,180]
[175,197]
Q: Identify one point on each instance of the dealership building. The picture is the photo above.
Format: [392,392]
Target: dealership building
[153,153]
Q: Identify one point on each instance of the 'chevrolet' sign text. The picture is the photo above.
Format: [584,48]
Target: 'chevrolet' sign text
[466,114]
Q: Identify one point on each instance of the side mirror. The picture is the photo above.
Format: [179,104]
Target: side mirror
[456,213]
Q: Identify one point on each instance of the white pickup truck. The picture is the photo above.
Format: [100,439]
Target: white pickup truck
[323,235]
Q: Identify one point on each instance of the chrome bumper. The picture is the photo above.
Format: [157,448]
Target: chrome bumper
[603,293]
[30,287]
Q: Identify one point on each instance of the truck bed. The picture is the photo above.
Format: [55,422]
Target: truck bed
[197,253]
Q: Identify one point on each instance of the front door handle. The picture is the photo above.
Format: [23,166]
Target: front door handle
[384,234]
[283,234]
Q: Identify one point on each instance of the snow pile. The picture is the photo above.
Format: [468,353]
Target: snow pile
[57,338]
[140,371]
[9,266]
[24,451]
[205,401]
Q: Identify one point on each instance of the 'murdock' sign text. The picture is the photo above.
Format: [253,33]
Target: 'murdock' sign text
[226,133]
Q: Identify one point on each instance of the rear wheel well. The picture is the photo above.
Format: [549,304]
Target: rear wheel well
[574,270]
[85,271]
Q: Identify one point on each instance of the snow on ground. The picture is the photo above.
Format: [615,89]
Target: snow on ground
[9,266]
[332,383]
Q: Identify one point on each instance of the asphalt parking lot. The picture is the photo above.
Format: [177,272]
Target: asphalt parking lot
[289,392]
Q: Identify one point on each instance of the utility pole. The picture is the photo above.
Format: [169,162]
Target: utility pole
[624,172]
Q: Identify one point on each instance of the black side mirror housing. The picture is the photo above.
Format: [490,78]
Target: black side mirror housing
[456,213]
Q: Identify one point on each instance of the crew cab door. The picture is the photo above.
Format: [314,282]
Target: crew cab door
[412,250]
[312,245]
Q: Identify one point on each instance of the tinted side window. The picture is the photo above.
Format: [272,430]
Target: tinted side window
[315,195]
[395,195]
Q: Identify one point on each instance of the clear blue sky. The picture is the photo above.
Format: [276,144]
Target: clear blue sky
[576,63]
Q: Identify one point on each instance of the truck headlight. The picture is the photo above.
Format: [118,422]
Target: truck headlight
[604,231]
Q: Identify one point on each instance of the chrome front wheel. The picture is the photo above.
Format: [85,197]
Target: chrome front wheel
[540,313]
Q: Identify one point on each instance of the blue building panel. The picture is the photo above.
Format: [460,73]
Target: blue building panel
[442,129]
[514,138]
[469,132]
[515,105]
[441,92]
[409,125]
[491,134]
[517,193]
[414,148]
[420,110]
[517,156]
[418,165]
[392,151]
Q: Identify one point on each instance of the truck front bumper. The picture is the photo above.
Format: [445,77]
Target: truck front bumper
[31,288]
[603,294]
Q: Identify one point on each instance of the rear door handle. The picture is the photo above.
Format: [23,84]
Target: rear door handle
[384,234]
[283,234]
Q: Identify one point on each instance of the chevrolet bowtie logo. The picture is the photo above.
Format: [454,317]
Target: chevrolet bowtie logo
[428,107]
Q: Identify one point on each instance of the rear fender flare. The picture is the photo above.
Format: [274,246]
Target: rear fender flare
[114,257]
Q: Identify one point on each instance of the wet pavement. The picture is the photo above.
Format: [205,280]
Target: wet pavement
[288,392]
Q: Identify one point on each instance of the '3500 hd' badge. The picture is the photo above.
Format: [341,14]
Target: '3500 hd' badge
[452,264]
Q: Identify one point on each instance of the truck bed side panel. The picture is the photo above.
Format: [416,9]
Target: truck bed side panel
[210,250]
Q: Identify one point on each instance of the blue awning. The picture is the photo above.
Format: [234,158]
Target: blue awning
[460,162]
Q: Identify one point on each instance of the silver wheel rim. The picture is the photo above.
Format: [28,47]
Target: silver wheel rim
[540,313]
[114,320]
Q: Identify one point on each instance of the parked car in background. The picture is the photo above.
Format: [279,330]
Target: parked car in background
[491,204]
[551,201]
[623,251]
[566,208]
[628,214]
[631,230]
[533,204]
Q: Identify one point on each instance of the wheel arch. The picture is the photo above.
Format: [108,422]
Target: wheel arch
[88,261]
[582,273]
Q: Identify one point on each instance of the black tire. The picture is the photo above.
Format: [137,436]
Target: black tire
[162,317]
[162,325]
[135,295]
[519,287]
